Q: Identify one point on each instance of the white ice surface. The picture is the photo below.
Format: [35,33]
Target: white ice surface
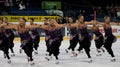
[65,59]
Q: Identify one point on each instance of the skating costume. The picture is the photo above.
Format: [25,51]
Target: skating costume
[35,38]
[54,43]
[108,40]
[26,44]
[85,40]
[4,45]
[98,39]
[59,32]
[47,37]
[74,39]
[10,35]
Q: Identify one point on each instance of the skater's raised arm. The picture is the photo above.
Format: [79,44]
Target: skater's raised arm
[73,25]
[87,23]
[10,26]
[36,26]
[107,21]
[2,25]
[61,25]
[100,23]
[33,26]
[114,23]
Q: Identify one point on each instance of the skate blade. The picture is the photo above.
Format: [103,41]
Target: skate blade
[9,62]
[47,59]
[90,61]
[35,53]
[32,64]
[66,50]
[98,55]
[13,55]
[74,55]
[57,62]
[113,60]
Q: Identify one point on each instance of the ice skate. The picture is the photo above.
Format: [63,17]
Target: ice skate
[48,58]
[90,60]
[12,55]
[57,62]
[35,52]
[9,61]
[47,54]
[113,59]
[20,50]
[32,63]
[28,58]
[4,55]
[66,50]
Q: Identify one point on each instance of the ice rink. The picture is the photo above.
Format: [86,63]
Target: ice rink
[66,60]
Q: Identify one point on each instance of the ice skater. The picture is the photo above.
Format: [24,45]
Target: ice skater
[54,40]
[26,40]
[109,38]
[10,35]
[99,39]
[35,36]
[74,39]
[84,37]
[4,42]
[47,36]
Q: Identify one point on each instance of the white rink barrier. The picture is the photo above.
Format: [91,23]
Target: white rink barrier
[115,30]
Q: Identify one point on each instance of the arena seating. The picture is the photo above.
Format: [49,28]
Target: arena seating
[27,11]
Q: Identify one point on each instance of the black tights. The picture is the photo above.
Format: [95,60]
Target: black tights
[36,43]
[73,43]
[85,44]
[108,45]
[28,49]
[54,49]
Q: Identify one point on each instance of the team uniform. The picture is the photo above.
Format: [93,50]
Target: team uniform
[36,39]
[10,35]
[74,39]
[85,41]
[27,44]
[99,41]
[4,45]
[54,44]
[47,38]
[109,39]
[59,32]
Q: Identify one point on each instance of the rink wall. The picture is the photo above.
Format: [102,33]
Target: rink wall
[36,18]
[65,31]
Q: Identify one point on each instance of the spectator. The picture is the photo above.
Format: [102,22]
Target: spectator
[62,20]
[21,5]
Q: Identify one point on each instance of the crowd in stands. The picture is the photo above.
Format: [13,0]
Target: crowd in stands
[111,10]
